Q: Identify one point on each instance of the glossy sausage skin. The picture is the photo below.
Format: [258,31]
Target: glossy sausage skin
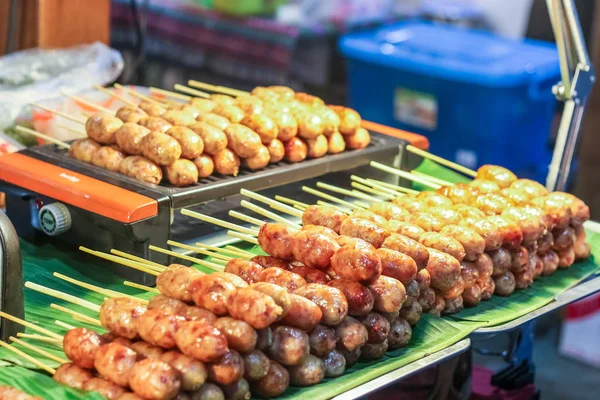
[389,294]
[359,297]
[444,270]
[324,216]
[366,230]
[314,249]
[290,281]
[249,271]
[80,346]
[120,315]
[254,307]
[331,301]
[303,313]
[357,260]
[443,243]
[397,265]
[276,240]
[411,248]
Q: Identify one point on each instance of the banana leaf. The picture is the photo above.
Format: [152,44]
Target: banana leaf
[37,384]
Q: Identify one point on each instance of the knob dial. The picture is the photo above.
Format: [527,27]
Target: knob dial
[55,219]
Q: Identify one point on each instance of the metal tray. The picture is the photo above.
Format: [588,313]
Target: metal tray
[406,371]
[381,147]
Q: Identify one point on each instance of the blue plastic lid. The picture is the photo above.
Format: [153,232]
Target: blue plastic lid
[455,54]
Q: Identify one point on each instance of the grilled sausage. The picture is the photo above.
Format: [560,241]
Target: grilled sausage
[104,387]
[276,240]
[254,307]
[226,162]
[312,275]
[349,119]
[115,361]
[275,382]
[238,390]
[286,279]
[277,293]
[290,345]
[226,369]
[443,243]
[471,241]
[358,140]
[334,364]
[264,126]
[365,230]
[276,151]
[256,365]
[193,373]
[242,141]
[240,335]
[81,345]
[444,270]
[158,328]
[72,375]
[405,228]
[303,314]
[313,248]
[214,139]
[502,176]
[204,166]
[119,315]
[505,284]
[357,260]
[102,128]
[200,341]
[155,124]
[397,265]
[330,300]
[360,299]
[322,340]
[129,136]
[258,161]
[453,305]
[83,149]
[130,114]
[295,150]
[208,391]
[411,248]
[160,148]
[329,217]
[154,380]
[182,173]
[215,120]
[389,294]
[141,169]
[400,334]
[378,328]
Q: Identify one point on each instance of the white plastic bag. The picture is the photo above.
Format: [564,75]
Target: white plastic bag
[36,75]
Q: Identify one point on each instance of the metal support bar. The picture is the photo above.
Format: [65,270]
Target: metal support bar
[577,79]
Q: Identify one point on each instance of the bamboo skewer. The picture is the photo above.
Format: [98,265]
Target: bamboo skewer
[218,222]
[330,197]
[60,114]
[219,261]
[29,358]
[76,315]
[216,88]
[138,95]
[363,188]
[376,186]
[213,266]
[233,248]
[191,91]
[63,296]
[97,289]
[339,208]
[45,339]
[228,250]
[397,188]
[82,134]
[346,192]
[150,264]
[141,287]
[431,178]
[30,326]
[88,103]
[299,207]
[123,261]
[64,325]
[268,214]
[38,350]
[168,93]
[442,161]
[198,250]
[47,138]
[244,237]
[116,96]
[273,203]
[246,218]
[404,174]
[291,202]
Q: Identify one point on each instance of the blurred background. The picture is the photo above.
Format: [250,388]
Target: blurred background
[474,76]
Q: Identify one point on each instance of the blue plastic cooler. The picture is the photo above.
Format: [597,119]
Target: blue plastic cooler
[479,98]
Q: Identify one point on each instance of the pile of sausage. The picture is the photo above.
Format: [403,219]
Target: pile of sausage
[464,242]
[11,393]
[188,142]
[229,334]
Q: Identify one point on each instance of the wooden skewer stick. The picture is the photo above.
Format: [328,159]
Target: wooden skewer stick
[88,103]
[381,188]
[218,222]
[241,236]
[233,248]
[141,287]
[191,91]
[82,134]
[64,325]
[268,214]
[363,188]
[97,289]
[401,189]
[45,339]
[299,207]
[246,218]
[404,174]
[38,350]
[204,263]
[198,250]
[119,260]
[216,88]
[361,204]
[291,202]
[63,296]
[138,95]
[219,261]
[116,96]
[30,326]
[47,138]
[149,264]
[347,192]
[339,208]
[76,315]
[227,250]
[273,203]
[431,178]
[442,161]
[60,114]
[168,93]
[27,357]
[330,197]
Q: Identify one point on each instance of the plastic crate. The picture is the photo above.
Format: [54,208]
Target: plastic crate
[479,98]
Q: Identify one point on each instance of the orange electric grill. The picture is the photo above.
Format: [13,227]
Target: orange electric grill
[50,195]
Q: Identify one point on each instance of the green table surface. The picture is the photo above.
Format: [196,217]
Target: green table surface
[430,335]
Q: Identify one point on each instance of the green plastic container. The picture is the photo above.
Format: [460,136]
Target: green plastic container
[247,7]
